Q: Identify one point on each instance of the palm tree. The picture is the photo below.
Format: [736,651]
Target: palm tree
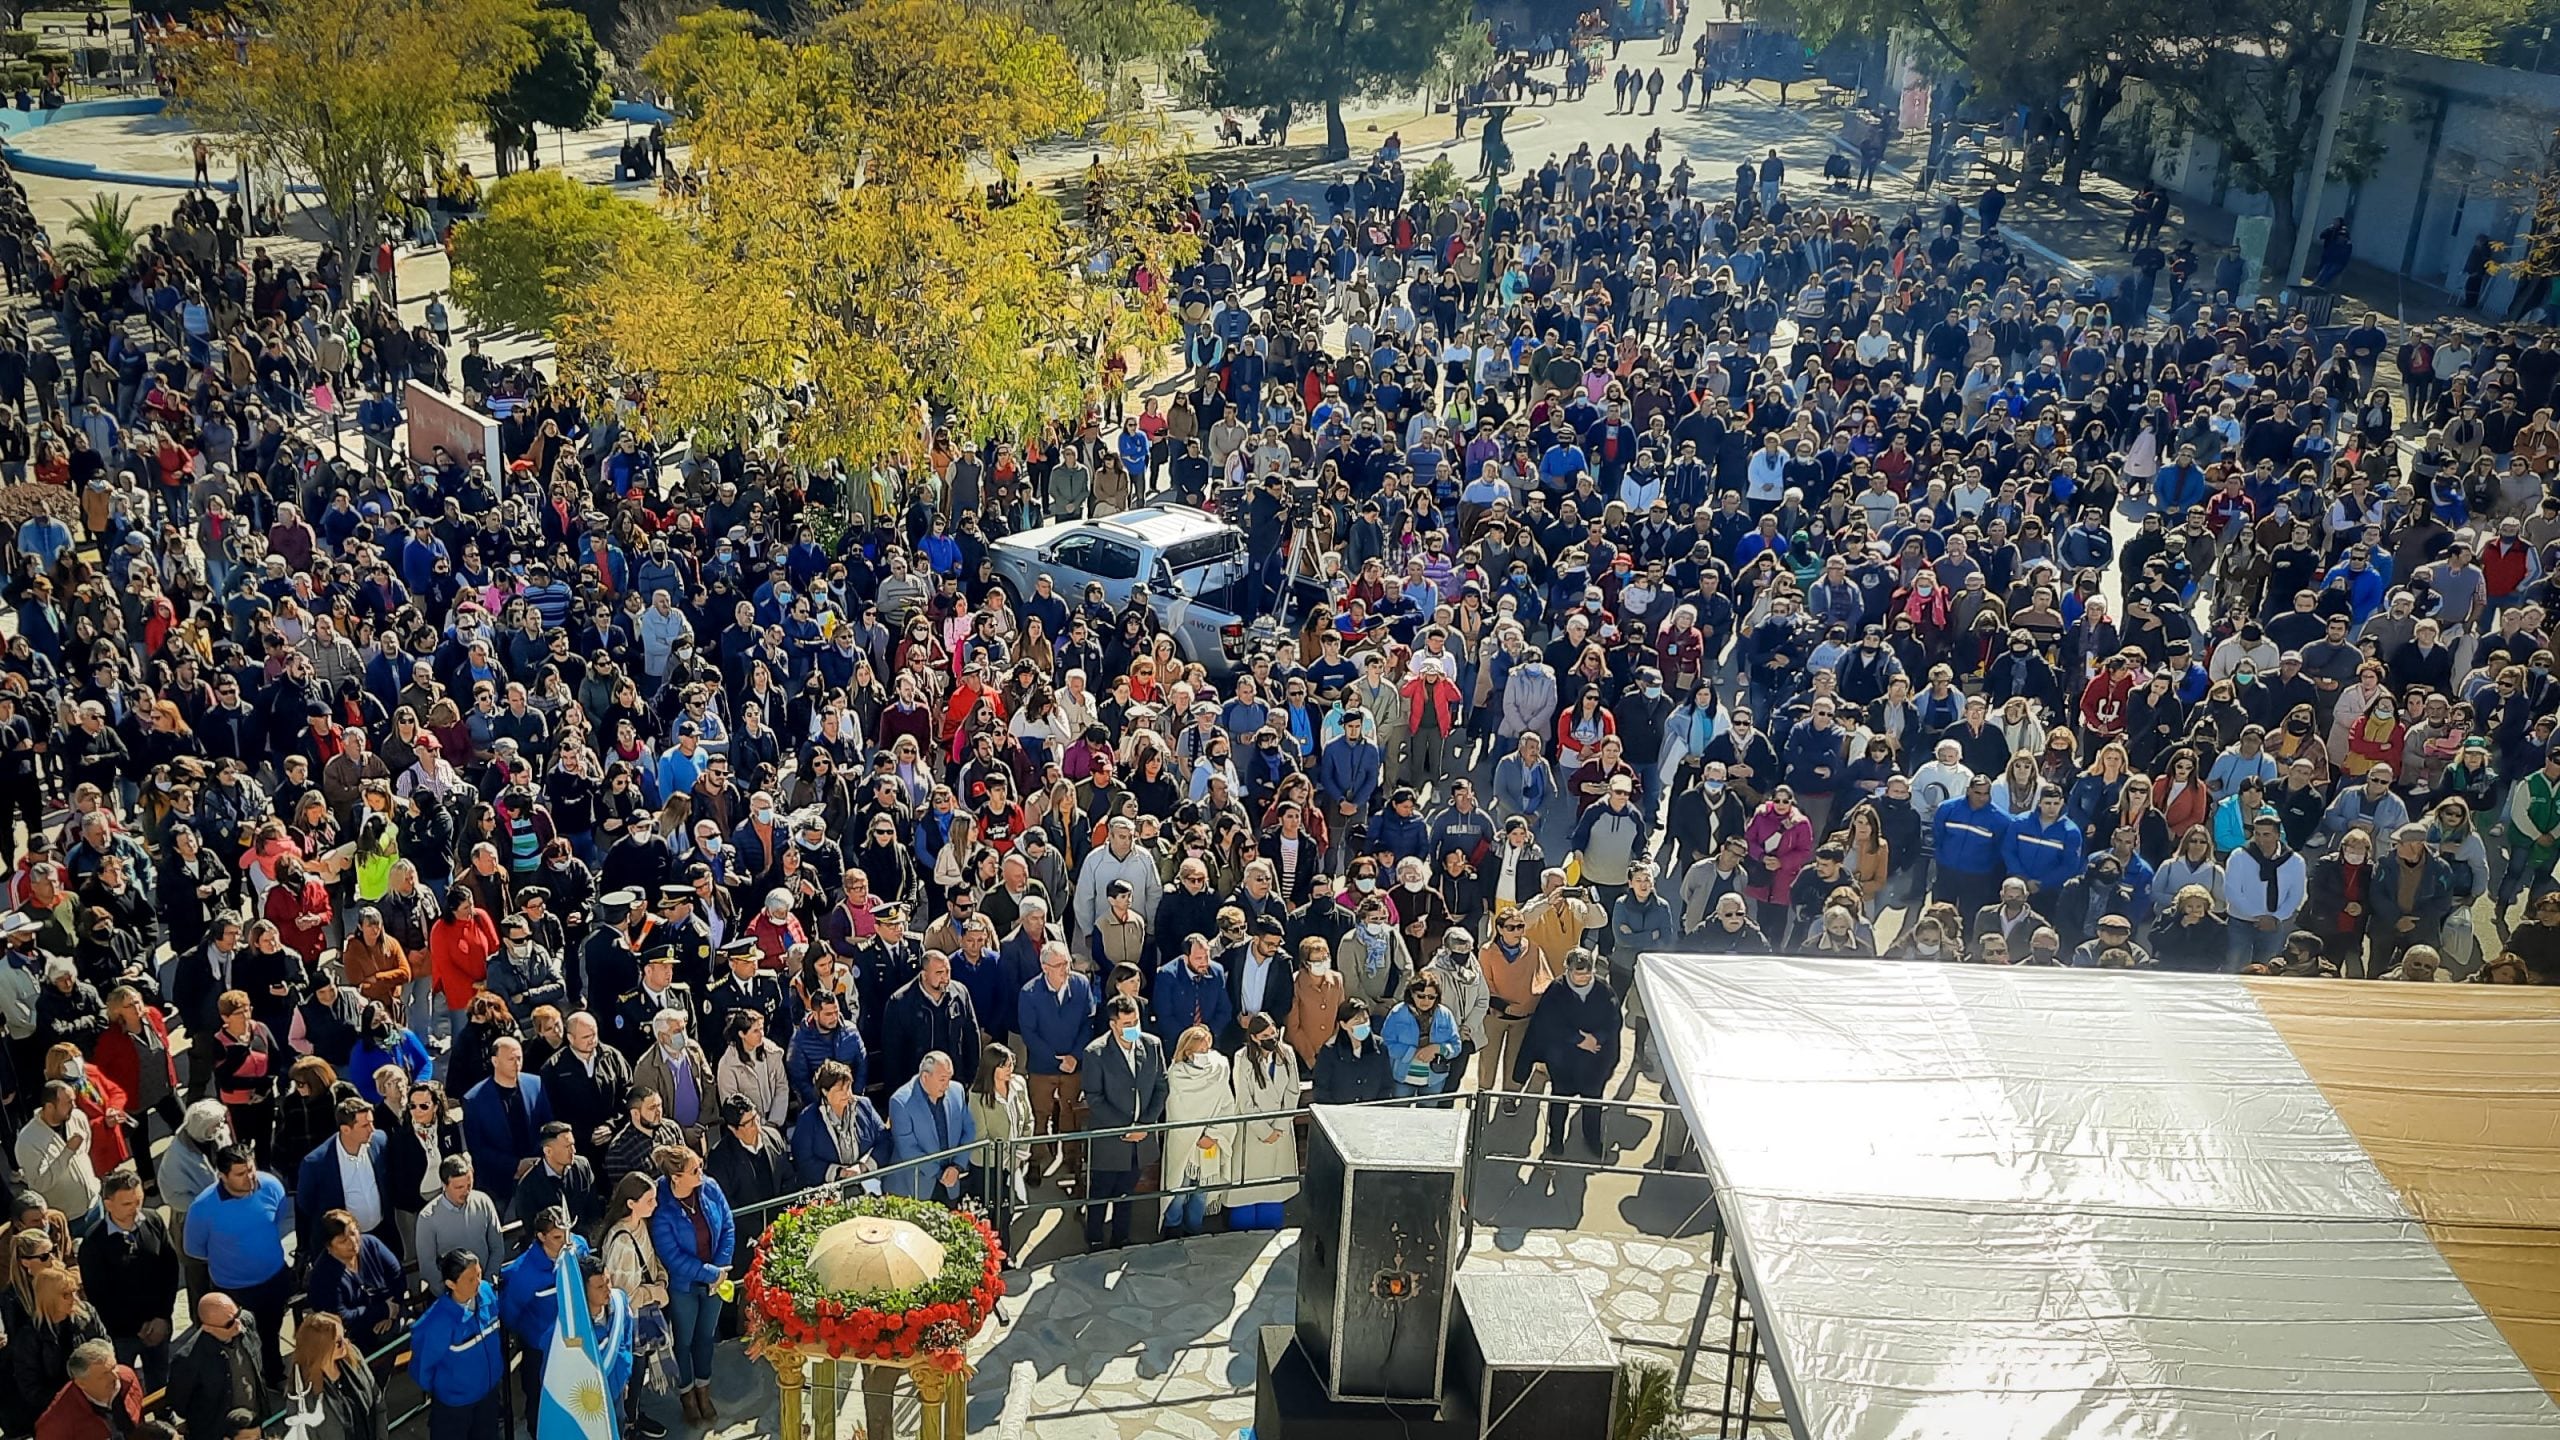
[1647,1401]
[108,237]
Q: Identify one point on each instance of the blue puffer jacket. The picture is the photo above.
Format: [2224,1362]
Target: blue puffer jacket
[812,1047]
[1969,839]
[671,1231]
[454,1353]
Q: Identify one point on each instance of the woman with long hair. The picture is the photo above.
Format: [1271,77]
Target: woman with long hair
[629,1260]
[2133,810]
[751,1068]
[1000,1102]
[1264,1078]
[1870,858]
[2180,794]
[58,1321]
[329,1392]
[1201,1101]
[2192,863]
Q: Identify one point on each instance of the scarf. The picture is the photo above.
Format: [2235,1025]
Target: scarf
[1373,946]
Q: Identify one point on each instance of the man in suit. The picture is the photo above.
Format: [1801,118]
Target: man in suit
[562,1180]
[584,1085]
[346,1173]
[927,1115]
[1261,976]
[1124,1084]
[502,1120]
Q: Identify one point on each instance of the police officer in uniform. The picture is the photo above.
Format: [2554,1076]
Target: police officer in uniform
[609,961]
[636,1013]
[881,966]
[680,926]
[743,986]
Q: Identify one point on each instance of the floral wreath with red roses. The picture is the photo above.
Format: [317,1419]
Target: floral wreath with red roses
[787,1308]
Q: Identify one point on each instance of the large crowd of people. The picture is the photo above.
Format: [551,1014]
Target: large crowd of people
[417,877]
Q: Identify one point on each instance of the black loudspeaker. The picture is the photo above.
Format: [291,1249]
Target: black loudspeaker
[1529,1361]
[1289,1403]
[1379,1248]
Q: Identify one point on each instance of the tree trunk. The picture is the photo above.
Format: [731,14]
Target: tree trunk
[1337,136]
[2097,102]
[2282,211]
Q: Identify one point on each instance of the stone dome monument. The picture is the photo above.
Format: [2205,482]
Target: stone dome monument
[872,1253]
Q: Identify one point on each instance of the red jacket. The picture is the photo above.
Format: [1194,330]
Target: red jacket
[118,1060]
[2504,565]
[2102,703]
[72,1417]
[287,907]
[108,1147]
[460,951]
[1437,691]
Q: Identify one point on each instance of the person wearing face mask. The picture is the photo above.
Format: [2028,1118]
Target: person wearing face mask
[1644,718]
[1575,1037]
[2249,644]
[1124,1085]
[523,973]
[2082,908]
[1265,1080]
[1372,955]
[2378,737]
[1353,1067]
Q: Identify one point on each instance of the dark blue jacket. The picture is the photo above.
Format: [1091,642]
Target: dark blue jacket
[492,1142]
[813,1145]
[2046,856]
[812,1047]
[319,1189]
[1968,840]
[1809,749]
[1401,835]
[1053,1025]
[1182,1000]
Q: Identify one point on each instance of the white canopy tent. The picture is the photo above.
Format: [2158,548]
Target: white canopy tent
[1998,1204]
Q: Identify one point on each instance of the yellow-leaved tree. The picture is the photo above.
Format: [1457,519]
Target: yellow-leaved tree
[838,273]
[351,96]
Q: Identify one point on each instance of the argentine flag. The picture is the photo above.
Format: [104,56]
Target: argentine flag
[574,1403]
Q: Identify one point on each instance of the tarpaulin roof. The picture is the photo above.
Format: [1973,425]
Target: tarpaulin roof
[1988,1202]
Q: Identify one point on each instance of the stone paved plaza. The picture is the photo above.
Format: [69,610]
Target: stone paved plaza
[1157,1340]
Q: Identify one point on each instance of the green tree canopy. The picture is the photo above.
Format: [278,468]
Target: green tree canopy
[1286,53]
[351,95]
[562,83]
[540,237]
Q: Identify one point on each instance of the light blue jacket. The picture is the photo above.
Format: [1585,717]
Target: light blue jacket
[912,1132]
